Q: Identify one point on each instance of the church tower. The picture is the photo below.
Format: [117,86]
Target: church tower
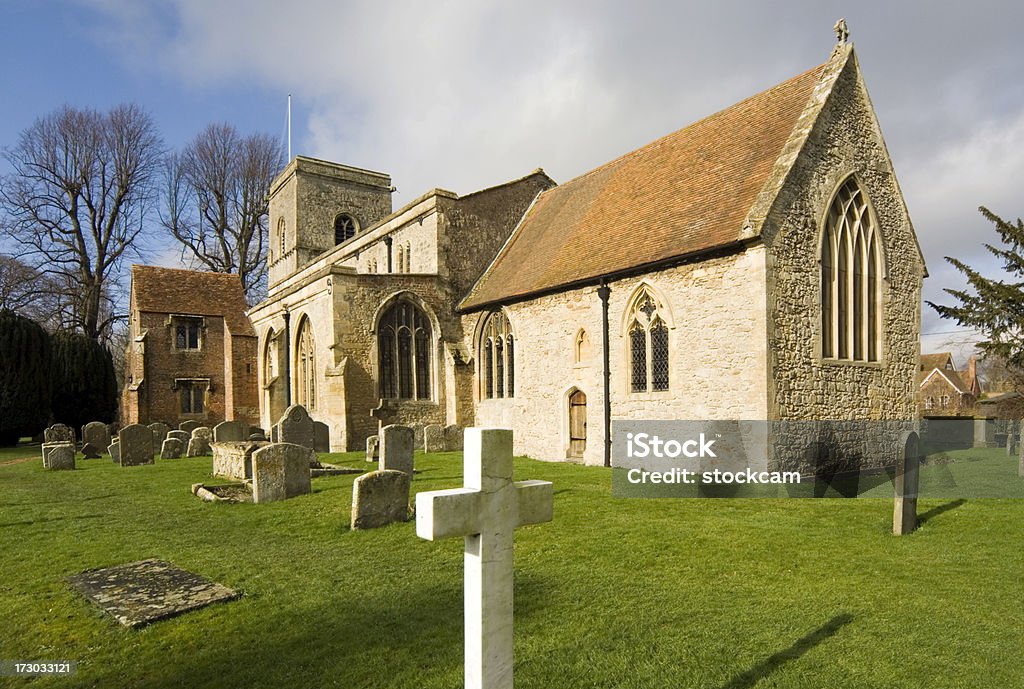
[316,205]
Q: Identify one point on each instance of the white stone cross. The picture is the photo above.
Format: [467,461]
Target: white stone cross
[485,512]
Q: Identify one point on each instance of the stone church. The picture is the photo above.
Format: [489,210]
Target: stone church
[758,264]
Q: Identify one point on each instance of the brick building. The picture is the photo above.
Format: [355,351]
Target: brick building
[192,350]
[759,264]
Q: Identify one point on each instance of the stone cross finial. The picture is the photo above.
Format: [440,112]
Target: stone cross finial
[485,512]
[842,31]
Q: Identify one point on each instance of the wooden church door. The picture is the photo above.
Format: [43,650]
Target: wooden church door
[577,423]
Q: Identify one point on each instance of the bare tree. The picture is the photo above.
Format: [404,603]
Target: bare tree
[215,202]
[81,185]
[27,292]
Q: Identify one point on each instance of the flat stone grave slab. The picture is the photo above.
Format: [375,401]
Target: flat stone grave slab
[141,592]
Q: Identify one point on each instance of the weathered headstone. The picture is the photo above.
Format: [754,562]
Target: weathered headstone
[280,471]
[259,436]
[433,438]
[380,498]
[485,513]
[373,448]
[189,426]
[1012,435]
[321,437]
[199,443]
[904,514]
[96,434]
[136,445]
[58,456]
[114,450]
[171,448]
[396,448]
[230,431]
[160,431]
[295,427]
[234,459]
[183,436]
[90,451]
[59,433]
[453,437]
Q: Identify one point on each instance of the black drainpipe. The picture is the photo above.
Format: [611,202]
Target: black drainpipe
[387,241]
[603,292]
[286,365]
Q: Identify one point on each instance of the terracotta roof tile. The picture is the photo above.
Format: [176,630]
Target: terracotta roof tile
[687,192]
[930,361]
[200,293]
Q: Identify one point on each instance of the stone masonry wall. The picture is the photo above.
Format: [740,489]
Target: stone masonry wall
[844,141]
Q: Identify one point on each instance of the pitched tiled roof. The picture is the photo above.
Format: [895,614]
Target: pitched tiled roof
[192,292]
[685,193]
[930,361]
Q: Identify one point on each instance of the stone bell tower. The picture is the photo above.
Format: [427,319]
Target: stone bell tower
[316,205]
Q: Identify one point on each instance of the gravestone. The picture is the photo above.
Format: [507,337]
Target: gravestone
[96,434]
[453,438]
[904,514]
[485,513]
[199,443]
[1011,438]
[58,456]
[90,451]
[380,498]
[321,437]
[258,436]
[230,432]
[160,431]
[433,438]
[189,426]
[280,471]
[396,448]
[59,433]
[373,448]
[1020,459]
[171,448]
[136,445]
[295,427]
[183,436]
[114,450]
[234,459]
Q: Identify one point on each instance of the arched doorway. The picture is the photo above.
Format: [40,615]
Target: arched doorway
[577,424]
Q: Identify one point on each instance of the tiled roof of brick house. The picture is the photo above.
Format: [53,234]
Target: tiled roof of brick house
[194,293]
[683,194]
[943,360]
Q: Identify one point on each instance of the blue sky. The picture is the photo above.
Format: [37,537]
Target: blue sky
[463,95]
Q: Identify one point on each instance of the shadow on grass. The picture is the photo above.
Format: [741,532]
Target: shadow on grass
[801,646]
[941,509]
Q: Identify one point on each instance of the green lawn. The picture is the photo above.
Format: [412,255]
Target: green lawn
[612,593]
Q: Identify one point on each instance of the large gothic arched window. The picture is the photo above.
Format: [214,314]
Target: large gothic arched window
[404,345]
[497,358]
[305,366]
[851,264]
[648,345]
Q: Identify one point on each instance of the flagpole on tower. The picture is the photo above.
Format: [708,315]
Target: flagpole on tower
[289,127]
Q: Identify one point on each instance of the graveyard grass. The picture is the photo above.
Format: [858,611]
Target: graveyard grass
[724,594]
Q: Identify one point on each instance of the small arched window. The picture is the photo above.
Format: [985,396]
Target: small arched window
[497,357]
[305,366]
[280,237]
[648,345]
[344,228]
[408,258]
[404,343]
[401,260]
[581,347]
[851,264]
